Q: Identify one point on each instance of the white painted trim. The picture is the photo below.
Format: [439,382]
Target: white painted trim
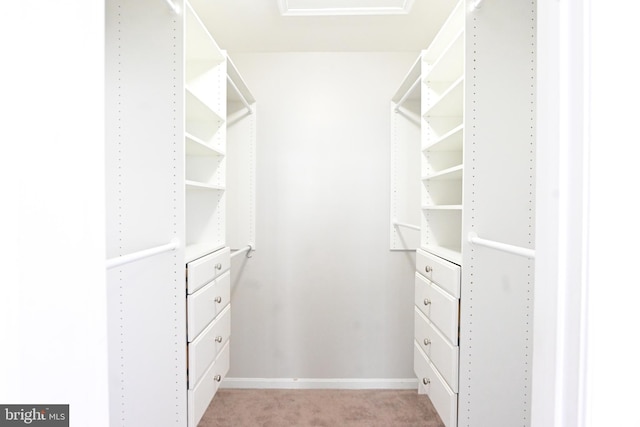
[322,383]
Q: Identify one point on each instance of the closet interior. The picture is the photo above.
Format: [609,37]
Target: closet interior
[183,199]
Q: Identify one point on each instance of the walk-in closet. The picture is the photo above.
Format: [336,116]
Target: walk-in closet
[284,196]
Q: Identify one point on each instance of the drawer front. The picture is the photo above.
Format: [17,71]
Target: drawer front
[205,269]
[204,349]
[440,351]
[206,304]
[440,271]
[443,398]
[200,396]
[440,307]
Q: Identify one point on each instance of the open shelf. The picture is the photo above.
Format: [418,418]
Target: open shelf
[198,250]
[450,141]
[408,87]
[450,173]
[452,254]
[450,103]
[442,232]
[442,207]
[197,147]
[447,32]
[195,185]
[450,65]
[198,109]
[200,45]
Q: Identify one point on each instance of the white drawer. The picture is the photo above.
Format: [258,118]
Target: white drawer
[206,304]
[440,271]
[204,349]
[440,307]
[199,398]
[205,269]
[430,382]
[442,353]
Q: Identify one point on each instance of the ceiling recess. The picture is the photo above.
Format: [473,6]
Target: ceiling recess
[344,7]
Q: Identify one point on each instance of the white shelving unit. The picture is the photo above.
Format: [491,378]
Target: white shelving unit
[168,184]
[405,171]
[477,173]
[205,139]
[442,140]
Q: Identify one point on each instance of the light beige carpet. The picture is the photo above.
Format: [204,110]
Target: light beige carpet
[335,408]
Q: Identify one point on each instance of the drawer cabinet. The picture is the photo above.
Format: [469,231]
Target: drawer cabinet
[443,398]
[436,329]
[208,297]
[205,269]
[438,306]
[204,305]
[439,271]
[203,350]
[200,396]
[440,351]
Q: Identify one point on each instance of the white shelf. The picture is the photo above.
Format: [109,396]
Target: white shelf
[198,110]
[454,172]
[195,185]
[200,45]
[450,141]
[450,65]
[450,103]
[443,207]
[236,79]
[447,32]
[197,147]
[197,250]
[408,83]
[452,254]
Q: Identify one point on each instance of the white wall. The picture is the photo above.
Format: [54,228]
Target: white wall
[323,296]
[53,300]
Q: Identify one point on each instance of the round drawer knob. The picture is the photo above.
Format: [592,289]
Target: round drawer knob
[218,378]
[218,339]
[428,269]
[427,301]
[427,341]
[426,381]
[218,266]
[218,300]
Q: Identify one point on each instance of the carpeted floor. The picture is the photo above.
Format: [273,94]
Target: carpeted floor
[335,408]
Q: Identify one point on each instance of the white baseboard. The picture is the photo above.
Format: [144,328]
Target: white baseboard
[322,383]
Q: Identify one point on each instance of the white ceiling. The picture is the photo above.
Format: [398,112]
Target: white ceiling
[257,26]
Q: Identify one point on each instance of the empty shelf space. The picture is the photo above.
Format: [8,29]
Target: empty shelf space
[195,185]
[450,103]
[450,173]
[197,147]
[199,110]
[450,141]
[451,254]
[450,65]
[197,250]
[200,45]
[443,207]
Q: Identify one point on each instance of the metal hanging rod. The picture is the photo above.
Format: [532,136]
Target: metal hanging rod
[516,250]
[403,224]
[248,249]
[146,253]
[406,95]
[242,98]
